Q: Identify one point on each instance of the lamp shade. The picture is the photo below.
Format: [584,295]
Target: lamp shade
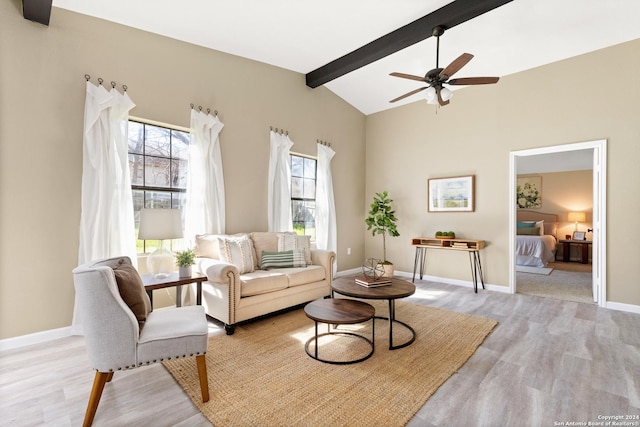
[577,217]
[446,94]
[431,93]
[160,224]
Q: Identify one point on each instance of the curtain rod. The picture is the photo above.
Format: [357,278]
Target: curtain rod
[215,112]
[280,131]
[100,81]
[328,144]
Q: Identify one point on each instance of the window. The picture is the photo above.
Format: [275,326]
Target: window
[303,195]
[158,167]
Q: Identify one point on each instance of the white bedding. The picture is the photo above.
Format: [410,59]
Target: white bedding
[535,251]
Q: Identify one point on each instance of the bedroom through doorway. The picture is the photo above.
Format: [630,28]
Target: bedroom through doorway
[572,178]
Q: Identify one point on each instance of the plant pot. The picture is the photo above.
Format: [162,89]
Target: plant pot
[184,271]
[388,270]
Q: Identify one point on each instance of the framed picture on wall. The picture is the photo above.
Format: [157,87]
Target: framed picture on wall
[579,235]
[529,192]
[455,194]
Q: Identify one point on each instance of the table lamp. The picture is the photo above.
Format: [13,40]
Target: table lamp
[577,217]
[160,224]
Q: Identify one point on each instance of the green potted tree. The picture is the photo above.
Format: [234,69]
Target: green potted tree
[184,260]
[382,220]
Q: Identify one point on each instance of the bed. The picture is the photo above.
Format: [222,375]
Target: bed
[535,238]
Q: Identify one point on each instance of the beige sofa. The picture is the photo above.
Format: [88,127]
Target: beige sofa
[235,291]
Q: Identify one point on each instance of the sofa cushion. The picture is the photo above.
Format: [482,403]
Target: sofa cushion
[262,282]
[285,259]
[237,251]
[289,241]
[302,276]
[264,241]
[132,291]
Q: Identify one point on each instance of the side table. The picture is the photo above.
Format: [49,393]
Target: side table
[151,283]
[584,249]
[340,312]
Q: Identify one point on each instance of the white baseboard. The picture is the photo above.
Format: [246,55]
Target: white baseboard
[35,338]
[631,308]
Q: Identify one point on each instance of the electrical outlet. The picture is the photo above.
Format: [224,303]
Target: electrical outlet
[348,251]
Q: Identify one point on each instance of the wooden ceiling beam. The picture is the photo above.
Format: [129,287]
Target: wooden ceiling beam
[447,16]
[37,10]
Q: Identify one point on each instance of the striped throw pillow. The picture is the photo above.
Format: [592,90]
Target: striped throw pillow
[284,259]
[237,251]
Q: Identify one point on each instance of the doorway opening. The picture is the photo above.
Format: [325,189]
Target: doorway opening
[565,155]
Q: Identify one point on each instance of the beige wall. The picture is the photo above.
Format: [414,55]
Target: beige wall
[561,103]
[41,117]
[563,192]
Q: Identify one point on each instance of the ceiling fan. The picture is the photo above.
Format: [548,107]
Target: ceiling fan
[437,77]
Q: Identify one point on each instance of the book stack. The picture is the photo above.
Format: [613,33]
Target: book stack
[462,245]
[369,282]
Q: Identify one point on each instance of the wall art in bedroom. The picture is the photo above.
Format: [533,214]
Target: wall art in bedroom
[529,192]
[454,194]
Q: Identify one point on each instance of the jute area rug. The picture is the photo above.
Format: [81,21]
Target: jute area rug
[261,375]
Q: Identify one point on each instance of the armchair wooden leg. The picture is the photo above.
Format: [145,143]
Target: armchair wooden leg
[202,375]
[96,392]
[110,377]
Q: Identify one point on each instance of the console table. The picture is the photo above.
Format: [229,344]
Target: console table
[472,247]
[584,249]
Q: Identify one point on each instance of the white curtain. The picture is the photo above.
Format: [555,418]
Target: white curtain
[326,230]
[279,191]
[106,221]
[205,202]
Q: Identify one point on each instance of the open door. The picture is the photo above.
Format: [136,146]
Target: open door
[598,255]
[599,221]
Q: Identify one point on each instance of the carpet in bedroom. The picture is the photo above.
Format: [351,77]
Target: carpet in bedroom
[567,281]
[533,270]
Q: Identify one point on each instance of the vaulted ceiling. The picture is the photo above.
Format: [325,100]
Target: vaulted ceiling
[305,36]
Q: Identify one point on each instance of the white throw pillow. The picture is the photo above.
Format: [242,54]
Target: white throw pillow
[291,241]
[541,225]
[237,251]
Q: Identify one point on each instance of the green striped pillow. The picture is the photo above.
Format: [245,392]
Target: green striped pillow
[284,259]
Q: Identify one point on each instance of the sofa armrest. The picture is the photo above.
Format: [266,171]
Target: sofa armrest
[325,259]
[217,271]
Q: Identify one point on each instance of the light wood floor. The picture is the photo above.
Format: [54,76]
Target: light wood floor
[548,360]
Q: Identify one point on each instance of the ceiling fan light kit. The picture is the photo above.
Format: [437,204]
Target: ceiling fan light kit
[436,92]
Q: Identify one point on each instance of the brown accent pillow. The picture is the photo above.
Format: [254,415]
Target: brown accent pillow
[132,291]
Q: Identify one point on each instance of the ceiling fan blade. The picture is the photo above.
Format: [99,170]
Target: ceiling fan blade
[441,101]
[408,76]
[456,65]
[413,92]
[474,81]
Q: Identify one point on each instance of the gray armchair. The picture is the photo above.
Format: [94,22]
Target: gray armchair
[116,341]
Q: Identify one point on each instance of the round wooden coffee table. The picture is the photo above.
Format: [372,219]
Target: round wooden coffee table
[339,312]
[397,289]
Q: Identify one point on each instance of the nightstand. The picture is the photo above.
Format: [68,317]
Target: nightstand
[584,249]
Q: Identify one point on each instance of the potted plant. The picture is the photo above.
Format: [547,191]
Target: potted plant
[382,220]
[184,260]
[445,235]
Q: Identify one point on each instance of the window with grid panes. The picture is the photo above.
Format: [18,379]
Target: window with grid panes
[158,167]
[303,195]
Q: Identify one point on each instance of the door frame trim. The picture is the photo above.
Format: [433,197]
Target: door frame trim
[599,250]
